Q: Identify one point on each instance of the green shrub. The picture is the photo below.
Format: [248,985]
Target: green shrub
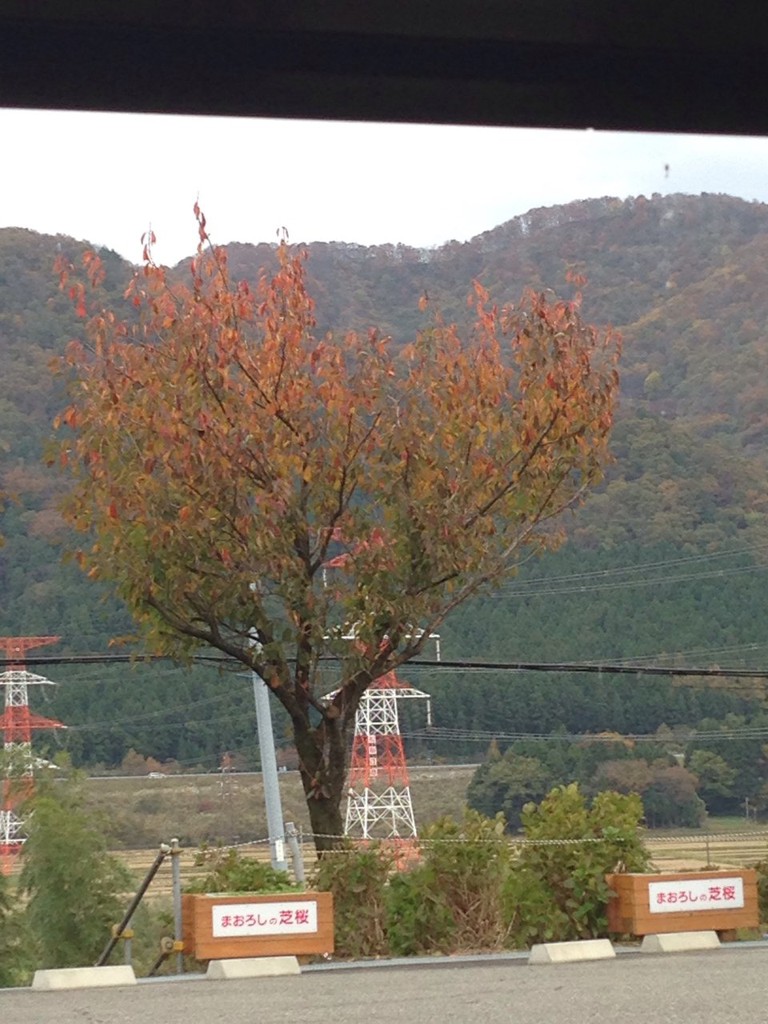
[569,850]
[472,890]
[229,871]
[761,867]
[453,900]
[419,921]
[529,910]
[357,877]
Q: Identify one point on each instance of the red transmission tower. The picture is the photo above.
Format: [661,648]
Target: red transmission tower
[379,802]
[17,723]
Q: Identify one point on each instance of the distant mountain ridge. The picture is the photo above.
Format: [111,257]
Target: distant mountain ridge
[685,279]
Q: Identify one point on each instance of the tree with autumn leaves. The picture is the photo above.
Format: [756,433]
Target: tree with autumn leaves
[250,487]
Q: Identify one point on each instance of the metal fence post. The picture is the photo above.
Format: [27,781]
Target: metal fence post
[292,837]
[177,920]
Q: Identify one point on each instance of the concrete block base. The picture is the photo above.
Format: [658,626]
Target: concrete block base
[679,942]
[252,967]
[571,952]
[83,977]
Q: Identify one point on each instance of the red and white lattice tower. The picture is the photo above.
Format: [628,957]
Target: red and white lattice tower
[17,723]
[379,802]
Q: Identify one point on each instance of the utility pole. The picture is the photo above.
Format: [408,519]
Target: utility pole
[275,827]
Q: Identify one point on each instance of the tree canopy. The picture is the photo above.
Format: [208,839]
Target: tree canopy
[250,486]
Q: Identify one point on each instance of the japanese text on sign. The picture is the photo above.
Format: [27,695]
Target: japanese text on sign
[696,894]
[234,919]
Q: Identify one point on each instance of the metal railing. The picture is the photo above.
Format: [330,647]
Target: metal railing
[123,932]
[169,945]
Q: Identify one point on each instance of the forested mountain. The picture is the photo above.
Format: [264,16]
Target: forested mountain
[666,561]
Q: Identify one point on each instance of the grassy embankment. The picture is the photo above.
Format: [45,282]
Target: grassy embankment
[139,813]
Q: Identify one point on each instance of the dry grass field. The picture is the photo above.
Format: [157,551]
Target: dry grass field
[717,847]
[140,813]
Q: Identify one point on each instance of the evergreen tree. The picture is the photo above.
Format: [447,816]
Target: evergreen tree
[15,949]
[75,890]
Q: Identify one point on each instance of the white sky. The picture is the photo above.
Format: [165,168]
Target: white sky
[107,177]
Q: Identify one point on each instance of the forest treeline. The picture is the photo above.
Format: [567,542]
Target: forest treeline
[665,563]
[719,769]
[572,606]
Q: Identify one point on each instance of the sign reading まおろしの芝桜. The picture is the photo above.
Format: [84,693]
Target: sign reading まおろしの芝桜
[218,926]
[646,904]
[278,918]
[695,894]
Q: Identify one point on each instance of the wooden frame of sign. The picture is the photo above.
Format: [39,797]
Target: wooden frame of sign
[223,927]
[720,901]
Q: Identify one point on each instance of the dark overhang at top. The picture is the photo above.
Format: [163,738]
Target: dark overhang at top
[636,65]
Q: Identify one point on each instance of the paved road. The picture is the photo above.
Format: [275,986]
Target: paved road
[720,987]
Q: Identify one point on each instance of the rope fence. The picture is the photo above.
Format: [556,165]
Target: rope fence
[667,852]
[720,838]
[706,848]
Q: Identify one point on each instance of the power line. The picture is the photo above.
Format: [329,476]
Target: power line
[450,735]
[636,568]
[607,668]
[114,659]
[709,651]
[590,587]
[598,668]
[159,714]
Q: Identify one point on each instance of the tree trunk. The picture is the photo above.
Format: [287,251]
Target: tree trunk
[326,818]
[323,758]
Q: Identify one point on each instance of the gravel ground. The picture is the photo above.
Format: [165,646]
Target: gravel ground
[719,987]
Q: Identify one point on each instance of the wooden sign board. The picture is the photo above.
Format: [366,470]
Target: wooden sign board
[718,901]
[246,925]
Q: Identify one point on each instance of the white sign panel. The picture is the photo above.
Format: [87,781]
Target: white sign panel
[696,894]
[231,920]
